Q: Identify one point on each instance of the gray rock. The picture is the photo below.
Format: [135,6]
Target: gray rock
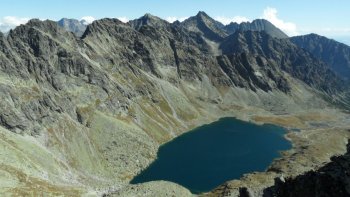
[335,54]
[73,25]
[256,25]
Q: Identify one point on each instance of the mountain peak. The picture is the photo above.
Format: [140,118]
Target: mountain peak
[73,25]
[103,26]
[207,26]
[263,22]
[256,25]
[149,15]
[34,22]
[46,25]
[202,13]
[147,19]
[68,19]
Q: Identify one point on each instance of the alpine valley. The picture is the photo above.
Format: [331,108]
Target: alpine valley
[84,108]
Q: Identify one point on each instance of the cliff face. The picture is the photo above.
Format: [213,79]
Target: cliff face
[288,57]
[88,113]
[335,54]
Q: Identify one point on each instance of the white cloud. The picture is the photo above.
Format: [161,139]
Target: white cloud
[226,20]
[270,14]
[87,19]
[172,19]
[123,19]
[10,22]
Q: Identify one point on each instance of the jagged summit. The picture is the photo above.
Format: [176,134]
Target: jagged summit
[214,30]
[148,19]
[73,25]
[207,26]
[35,21]
[106,22]
[202,14]
[103,26]
[46,26]
[256,25]
[42,25]
[40,38]
[201,23]
[150,16]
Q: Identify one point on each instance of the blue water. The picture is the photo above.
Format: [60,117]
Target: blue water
[208,156]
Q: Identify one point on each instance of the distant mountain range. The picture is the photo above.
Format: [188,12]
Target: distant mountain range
[333,53]
[202,22]
[73,25]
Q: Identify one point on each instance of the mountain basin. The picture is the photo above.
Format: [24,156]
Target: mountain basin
[210,155]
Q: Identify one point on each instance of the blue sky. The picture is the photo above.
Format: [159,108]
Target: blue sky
[325,17]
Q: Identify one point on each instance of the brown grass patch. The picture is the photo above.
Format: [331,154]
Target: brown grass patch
[314,116]
[288,121]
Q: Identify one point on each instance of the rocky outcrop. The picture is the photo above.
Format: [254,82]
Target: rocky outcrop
[333,179]
[253,72]
[335,54]
[73,25]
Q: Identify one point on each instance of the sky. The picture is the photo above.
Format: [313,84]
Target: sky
[295,17]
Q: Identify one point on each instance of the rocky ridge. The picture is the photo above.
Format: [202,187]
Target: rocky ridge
[335,54]
[256,25]
[330,180]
